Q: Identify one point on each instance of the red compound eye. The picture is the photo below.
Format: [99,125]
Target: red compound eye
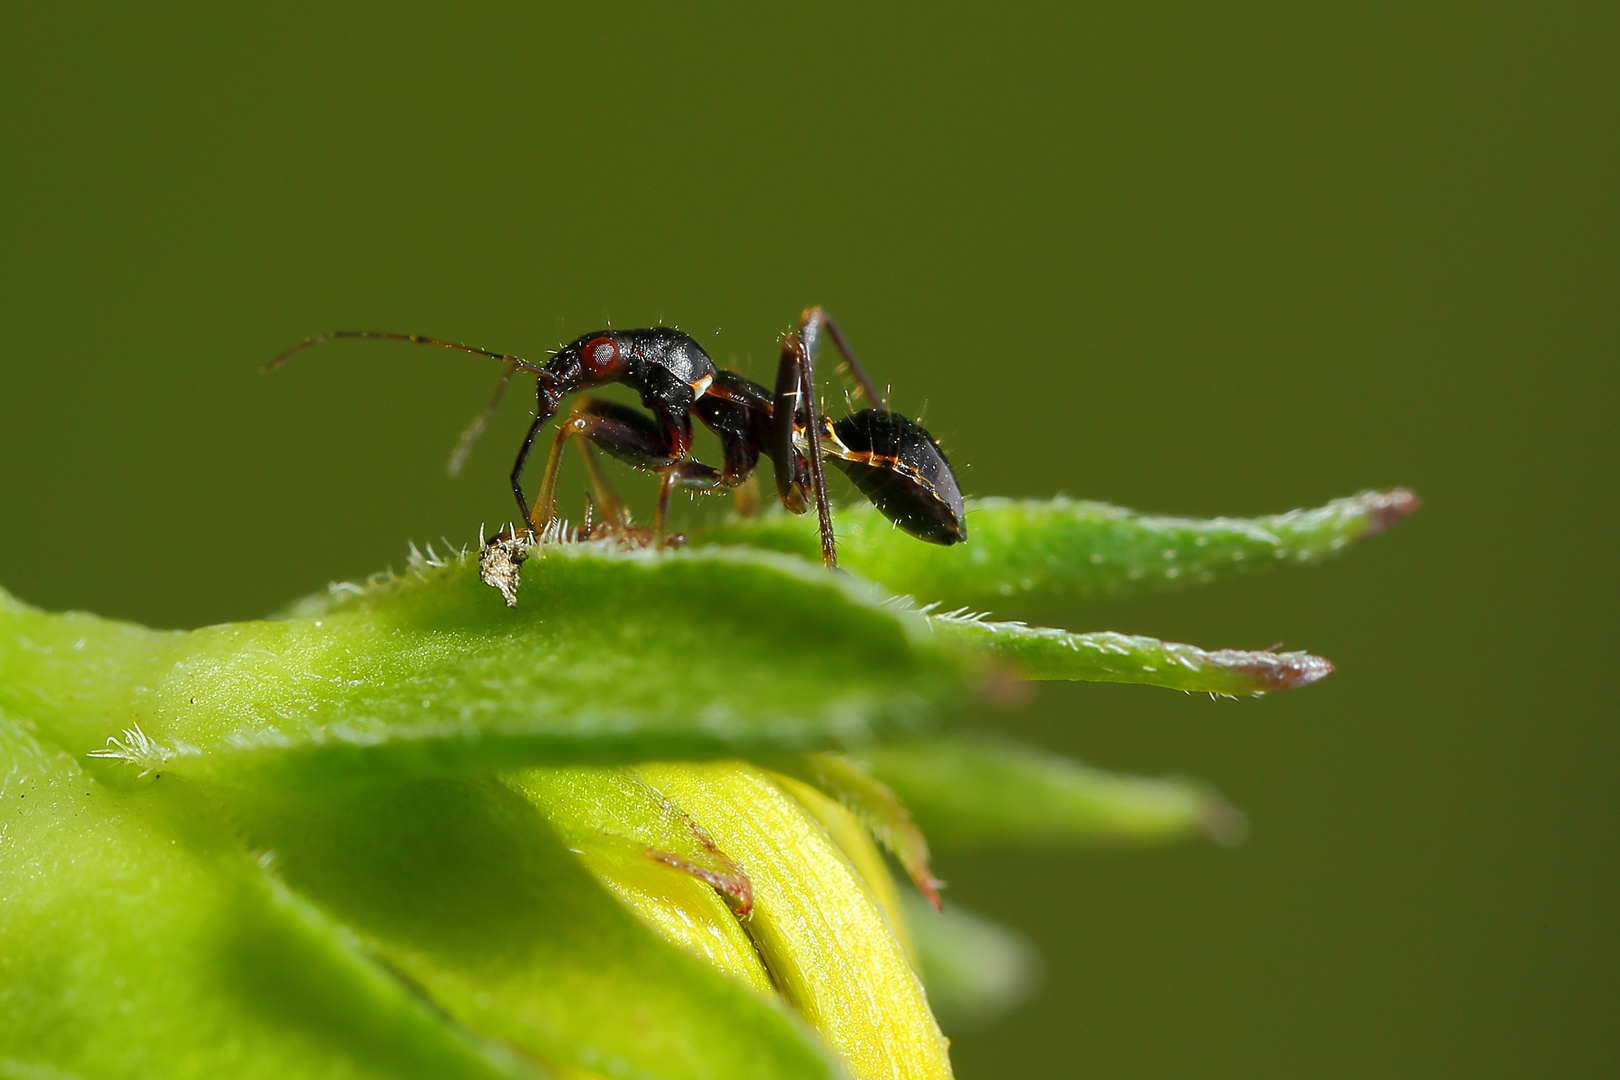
[599,356]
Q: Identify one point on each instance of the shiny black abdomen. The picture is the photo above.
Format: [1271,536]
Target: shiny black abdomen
[900,467]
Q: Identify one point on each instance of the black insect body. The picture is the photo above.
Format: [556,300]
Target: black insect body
[891,459]
[901,469]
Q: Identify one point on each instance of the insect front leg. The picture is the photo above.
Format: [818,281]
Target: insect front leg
[628,435]
[634,438]
[545,411]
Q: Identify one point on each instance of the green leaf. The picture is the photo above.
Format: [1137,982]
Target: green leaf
[323,875]
[974,970]
[610,656]
[74,674]
[137,939]
[1040,653]
[969,793]
[1066,548]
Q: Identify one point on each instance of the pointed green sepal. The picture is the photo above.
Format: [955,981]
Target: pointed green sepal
[1071,549]
[968,793]
[1042,653]
[874,806]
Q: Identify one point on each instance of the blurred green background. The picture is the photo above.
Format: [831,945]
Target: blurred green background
[1176,256]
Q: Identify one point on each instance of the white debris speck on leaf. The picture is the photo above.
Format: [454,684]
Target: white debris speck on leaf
[137,749]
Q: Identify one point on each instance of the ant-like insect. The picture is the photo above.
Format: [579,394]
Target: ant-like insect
[892,460]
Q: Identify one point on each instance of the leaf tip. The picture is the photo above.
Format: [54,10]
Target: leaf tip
[1270,671]
[929,885]
[1222,822]
[1385,508]
[1297,669]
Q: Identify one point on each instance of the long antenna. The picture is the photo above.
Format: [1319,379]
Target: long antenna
[458,456]
[464,445]
[414,339]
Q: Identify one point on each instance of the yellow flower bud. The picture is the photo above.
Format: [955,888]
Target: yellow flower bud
[825,939]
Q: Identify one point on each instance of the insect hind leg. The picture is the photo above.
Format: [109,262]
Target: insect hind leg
[816,319]
[800,477]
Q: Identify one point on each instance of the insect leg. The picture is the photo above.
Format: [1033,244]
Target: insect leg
[748,497]
[739,413]
[681,474]
[795,414]
[618,429]
[522,457]
[545,409]
[634,438]
[792,471]
[613,508]
[812,321]
[545,501]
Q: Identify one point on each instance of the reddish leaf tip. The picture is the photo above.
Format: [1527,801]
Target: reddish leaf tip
[1224,823]
[929,886]
[1274,670]
[1385,508]
[1301,669]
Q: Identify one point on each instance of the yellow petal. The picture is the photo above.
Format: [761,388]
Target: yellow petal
[652,858]
[683,910]
[846,830]
[825,940]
